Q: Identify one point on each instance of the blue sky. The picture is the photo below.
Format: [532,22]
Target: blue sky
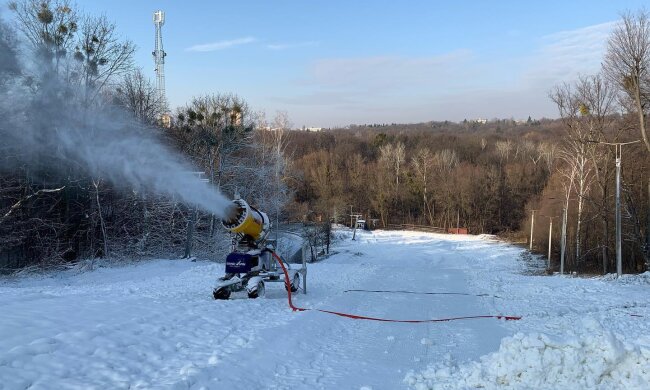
[339,62]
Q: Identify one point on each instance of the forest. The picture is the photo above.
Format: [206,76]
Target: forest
[58,206]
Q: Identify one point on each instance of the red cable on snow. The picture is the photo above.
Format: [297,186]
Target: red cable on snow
[423,293]
[358,317]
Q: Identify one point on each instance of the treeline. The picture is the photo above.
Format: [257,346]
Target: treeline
[480,178]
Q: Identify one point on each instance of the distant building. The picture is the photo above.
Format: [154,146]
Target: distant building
[481,121]
[313,128]
[236,117]
[166,120]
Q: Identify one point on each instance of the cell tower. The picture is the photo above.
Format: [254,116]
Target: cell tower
[159,55]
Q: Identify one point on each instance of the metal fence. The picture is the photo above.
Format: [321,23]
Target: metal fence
[420,228]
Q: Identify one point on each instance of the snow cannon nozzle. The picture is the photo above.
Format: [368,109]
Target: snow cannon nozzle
[231,213]
[247,220]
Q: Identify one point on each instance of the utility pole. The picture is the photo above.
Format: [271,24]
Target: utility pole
[563,240]
[619,249]
[532,225]
[562,234]
[619,156]
[350,216]
[356,221]
[550,236]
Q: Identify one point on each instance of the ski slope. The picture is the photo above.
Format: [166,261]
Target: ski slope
[155,325]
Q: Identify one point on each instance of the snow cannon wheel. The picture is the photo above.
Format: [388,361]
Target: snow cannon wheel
[221,293]
[295,283]
[257,291]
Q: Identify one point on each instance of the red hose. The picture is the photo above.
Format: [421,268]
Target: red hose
[358,317]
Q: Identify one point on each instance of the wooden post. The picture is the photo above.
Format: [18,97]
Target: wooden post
[550,236]
[563,239]
[532,225]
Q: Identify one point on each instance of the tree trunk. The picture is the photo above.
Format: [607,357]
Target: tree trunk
[212,217]
[605,247]
[639,107]
[578,230]
[190,233]
[647,231]
[101,218]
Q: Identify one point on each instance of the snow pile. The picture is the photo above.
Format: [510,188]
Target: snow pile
[595,359]
[488,237]
[629,279]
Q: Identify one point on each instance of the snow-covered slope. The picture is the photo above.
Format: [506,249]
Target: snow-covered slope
[576,333]
[155,324]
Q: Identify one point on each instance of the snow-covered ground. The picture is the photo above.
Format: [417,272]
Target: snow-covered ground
[155,325]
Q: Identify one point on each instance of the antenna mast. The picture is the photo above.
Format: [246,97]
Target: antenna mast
[159,56]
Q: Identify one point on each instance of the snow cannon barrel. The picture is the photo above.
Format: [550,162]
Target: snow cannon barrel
[246,220]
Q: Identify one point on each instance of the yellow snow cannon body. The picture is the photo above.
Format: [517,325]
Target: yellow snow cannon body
[247,220]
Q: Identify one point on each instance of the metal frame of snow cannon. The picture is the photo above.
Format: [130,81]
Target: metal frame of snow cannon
[250,263]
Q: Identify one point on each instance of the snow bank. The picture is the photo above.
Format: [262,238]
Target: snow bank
[594,358]
[629,279]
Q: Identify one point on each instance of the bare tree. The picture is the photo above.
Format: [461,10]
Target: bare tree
[503,149]
[422,164]
[215,128]
[49,26]
[598,104]
[548,151]
[393,155]
[139,96]
[101,55]
[278,144]
[57,33]
[445,160]
[627,63]
[577,149]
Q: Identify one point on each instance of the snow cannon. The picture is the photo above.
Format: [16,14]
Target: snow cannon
[251,261]
[247,221]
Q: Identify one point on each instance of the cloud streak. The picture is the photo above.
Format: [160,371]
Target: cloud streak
[285,46]
[454,85]
[564,55]
[387,73]
[221,45]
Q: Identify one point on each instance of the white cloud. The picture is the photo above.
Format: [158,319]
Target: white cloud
[388,73]
[220,45]
[285,46]
[455,85]
[564,55]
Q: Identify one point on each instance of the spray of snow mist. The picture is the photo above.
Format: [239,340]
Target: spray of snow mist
[47,122]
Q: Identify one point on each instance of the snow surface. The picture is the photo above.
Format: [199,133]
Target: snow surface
[155,325]
[576,333]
